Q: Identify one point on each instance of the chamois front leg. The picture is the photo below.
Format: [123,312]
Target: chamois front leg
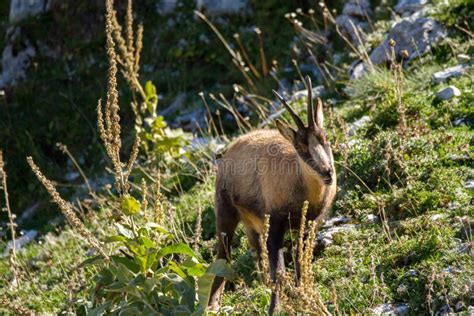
[275,240]
[227,219]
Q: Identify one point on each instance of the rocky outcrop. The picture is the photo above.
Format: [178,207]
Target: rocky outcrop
[16,58]
[220,7]
[18,53]
[408,7]
[353,21]
[21,9]
[412,37]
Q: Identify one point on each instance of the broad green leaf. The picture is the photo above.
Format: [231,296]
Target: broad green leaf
[122,273]
[130,205]
[158,228]
[142,262]
[158,124]
[180,248]
[91,261]
[129,263]
[99,310]
[147,242]
[150,90]
[176,269]
[115,238]
[129,311]
[204,288]
[122,230]
[221,268]
[105,277]
[193,267]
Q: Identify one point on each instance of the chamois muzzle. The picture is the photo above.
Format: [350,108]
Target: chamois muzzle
[327,177]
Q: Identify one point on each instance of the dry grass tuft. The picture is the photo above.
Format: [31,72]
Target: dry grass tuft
[303,295]
[14,308]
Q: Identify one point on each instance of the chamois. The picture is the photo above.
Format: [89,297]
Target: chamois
[273,172]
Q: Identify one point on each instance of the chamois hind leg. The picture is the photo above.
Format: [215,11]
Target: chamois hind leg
[227,218]
[275,240]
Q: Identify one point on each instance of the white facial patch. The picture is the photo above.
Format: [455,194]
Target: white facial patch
[320,155]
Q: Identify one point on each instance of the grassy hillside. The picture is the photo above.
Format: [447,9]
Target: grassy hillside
[399,237]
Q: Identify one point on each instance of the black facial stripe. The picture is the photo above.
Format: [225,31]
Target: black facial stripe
[306,156]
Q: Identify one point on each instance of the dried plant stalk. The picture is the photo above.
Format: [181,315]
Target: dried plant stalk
[198,230]
[66,209]
[11,218]
[158,207]
[108,119]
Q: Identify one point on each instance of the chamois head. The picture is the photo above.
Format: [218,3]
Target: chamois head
[310,142]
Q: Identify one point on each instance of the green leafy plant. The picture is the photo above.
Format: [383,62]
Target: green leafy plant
[156,136]
[150,272]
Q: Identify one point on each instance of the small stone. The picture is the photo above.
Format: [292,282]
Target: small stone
[469,185]
[354,127]
[316,92]
[372,218]
[459,306]
[435,217]
[448,93]
[411,273]
[391,309]
[21,241]
[336,221]
[463,58]
[358,70]
[455,71]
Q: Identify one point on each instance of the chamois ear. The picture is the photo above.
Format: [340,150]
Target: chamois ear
[286,130]
[319,116]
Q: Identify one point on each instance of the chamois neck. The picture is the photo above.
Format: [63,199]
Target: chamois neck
[315,187]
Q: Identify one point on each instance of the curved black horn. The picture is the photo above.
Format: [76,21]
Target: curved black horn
[295,117]
[311,122]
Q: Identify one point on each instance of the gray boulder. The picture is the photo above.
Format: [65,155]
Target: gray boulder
[357,8]
[448,93]
[353,21]
[415,36]
[191,121]
[455,71]
[353,28]
[21,9]
[15,62]
[405,7]
[165,7]
[220,7]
